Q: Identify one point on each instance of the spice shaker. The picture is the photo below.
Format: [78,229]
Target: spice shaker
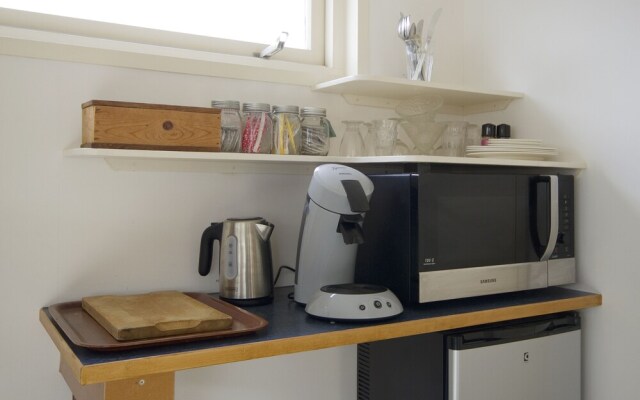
[315,131]
[488,132]
[503,131]
[258,128]
[286,130]
[230,125]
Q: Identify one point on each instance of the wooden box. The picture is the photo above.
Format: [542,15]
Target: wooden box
[120,125]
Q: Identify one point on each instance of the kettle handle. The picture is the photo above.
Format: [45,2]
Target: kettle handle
[213,232]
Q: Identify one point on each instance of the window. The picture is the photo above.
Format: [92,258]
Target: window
[335,37]
[240,27]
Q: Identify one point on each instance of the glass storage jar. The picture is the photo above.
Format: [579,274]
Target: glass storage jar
[315,131]
[230,125]
[286,130]
[258,128]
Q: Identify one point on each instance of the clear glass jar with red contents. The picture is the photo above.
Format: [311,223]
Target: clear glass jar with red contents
[257,135]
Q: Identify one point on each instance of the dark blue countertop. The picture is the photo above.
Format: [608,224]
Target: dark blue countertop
[288,320]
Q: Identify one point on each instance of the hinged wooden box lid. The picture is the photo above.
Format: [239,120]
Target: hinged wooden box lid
[155,314]
[121,125]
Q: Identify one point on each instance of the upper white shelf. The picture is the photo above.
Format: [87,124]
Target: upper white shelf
[153,160]
[387,92]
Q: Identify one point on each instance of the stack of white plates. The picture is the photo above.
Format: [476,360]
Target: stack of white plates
[518,149]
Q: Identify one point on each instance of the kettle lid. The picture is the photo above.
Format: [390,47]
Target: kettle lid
[340,189]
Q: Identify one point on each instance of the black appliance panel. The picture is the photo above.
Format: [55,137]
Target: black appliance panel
[386,257]
[466,220]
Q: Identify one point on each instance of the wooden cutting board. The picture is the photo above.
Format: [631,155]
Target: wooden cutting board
[155,314]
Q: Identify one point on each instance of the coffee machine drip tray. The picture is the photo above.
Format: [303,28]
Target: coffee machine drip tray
[354,302]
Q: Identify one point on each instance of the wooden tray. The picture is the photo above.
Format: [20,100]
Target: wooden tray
[84,331]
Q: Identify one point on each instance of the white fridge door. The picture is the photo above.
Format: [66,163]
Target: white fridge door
[545,368]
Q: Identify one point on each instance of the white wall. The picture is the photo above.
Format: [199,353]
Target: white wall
[74,227]
[577,62]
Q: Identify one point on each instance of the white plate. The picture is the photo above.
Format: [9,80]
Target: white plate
[505,149]
[521,155]
[517,146]
[519,141]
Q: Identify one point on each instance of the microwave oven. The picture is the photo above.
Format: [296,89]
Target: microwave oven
[443,232]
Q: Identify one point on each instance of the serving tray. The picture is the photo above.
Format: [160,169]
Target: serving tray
[84,331]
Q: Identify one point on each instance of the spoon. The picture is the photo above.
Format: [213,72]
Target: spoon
[401,27]
[406,27]
[412,31]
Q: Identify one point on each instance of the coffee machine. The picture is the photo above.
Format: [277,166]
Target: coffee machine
[331,229]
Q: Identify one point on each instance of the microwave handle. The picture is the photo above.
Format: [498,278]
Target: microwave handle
[553,214]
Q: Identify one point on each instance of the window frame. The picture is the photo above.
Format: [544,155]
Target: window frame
[22,36]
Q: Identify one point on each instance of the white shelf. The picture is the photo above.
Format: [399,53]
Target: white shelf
[235,163]
[387,92]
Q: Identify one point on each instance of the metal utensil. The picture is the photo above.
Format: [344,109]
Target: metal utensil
[412,31]
[427,48]
[405,27]
[419,28]
[432,26]
[401,27]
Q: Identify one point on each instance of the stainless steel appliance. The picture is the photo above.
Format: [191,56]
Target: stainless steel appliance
[444,232]
[529,359]
[246,275]
[337,198]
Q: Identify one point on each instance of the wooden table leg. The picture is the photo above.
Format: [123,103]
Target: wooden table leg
[150,387]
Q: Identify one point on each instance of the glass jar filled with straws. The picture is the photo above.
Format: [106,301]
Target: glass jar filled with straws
[230,125]
[258,128]
[286,130]
[316,131]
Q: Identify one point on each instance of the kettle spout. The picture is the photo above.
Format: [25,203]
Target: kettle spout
[264,230]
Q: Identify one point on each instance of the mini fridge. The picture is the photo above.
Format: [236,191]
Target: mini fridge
[529,359]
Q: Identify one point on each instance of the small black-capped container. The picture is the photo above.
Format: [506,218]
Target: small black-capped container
[503,131]
[488,131]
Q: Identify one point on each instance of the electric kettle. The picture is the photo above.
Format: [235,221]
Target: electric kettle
[246,275]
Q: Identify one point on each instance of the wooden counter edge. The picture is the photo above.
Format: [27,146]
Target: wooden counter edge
[66,353]
[227,354]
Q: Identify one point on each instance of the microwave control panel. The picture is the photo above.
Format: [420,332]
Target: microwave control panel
[564,246]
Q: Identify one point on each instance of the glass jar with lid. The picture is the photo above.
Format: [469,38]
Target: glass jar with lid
[286,130]
[316,131]
[258,128]
[230,125]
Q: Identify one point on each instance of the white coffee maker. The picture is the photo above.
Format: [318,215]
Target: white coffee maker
[331,229]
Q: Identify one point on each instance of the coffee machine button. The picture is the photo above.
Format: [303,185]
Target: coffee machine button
[362,307]
[377,304]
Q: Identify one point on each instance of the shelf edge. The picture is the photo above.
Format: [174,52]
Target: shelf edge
[333,86]
[150,160]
